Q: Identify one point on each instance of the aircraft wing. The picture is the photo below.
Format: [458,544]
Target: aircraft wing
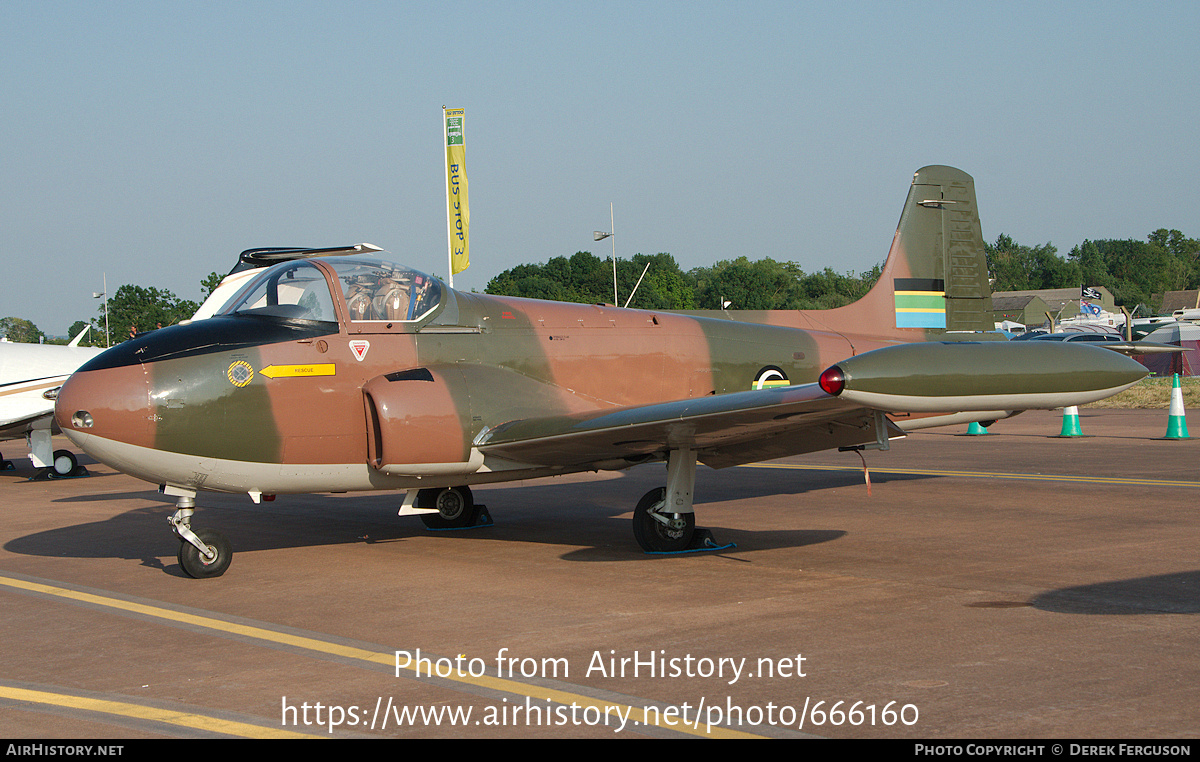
[724,430]
[17,425]
[23,408]
[27,373]
[845,408]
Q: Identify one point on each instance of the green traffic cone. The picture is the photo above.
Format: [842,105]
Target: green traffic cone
[1070,423]
[976,429]
[1177,422]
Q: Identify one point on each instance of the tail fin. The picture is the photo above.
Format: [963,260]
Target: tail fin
[79,337]
[937,267]
[935,278]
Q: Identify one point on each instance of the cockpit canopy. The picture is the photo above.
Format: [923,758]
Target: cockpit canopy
[378,290]
[370,290]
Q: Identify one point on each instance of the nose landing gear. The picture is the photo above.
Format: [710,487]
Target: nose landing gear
[202,553]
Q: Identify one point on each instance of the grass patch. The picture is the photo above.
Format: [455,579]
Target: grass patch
[1152,394]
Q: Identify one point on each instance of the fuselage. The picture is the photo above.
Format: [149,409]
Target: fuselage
[258,399]
[349,373]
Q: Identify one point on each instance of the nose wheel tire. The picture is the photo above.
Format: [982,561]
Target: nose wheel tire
[659,532]
[195,565]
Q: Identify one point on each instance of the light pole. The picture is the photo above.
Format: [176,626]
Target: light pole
[600,235]
[104,294]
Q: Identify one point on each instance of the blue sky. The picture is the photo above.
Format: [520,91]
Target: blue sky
[152,141]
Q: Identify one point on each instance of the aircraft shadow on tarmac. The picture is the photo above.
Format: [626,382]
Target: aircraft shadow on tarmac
[550,512]
[1177,593]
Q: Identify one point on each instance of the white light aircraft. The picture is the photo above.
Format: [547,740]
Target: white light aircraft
[30,375]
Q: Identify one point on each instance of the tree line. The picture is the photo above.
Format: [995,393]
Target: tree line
[1136,272]
[131,309]
[744,285]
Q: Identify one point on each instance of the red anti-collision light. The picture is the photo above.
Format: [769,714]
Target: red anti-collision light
[833,381]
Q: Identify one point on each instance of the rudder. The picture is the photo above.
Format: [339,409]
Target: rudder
[937,267]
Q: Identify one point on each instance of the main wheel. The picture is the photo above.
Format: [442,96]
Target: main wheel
[64,462]
[455,507]
[199,567]
[655,536]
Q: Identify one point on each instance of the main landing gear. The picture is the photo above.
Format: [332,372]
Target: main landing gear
[65,462]
[51,464]
[659,531]
[664,520]
[63,465]
[203,553]
[456,508]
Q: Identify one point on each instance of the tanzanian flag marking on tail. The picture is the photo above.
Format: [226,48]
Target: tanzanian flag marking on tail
[920,303]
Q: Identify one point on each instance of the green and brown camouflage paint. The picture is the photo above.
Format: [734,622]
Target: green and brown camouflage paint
[414,397]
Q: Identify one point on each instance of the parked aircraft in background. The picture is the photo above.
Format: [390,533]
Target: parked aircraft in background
[1107,340]
[346,373]
[30,375]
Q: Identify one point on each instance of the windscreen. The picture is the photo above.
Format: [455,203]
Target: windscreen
[290,290]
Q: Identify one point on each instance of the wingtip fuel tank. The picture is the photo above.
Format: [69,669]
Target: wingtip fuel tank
[942,377]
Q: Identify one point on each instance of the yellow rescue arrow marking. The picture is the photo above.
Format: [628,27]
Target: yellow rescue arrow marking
[293,371]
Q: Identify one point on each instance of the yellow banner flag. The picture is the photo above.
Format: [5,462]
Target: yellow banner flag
[458,217]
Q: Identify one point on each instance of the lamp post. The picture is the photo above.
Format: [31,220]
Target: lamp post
[104,294]
[600,235]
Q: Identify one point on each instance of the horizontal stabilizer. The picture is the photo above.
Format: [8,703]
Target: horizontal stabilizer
[1141,348]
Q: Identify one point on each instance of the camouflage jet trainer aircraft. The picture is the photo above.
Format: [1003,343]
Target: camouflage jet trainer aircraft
[349,373]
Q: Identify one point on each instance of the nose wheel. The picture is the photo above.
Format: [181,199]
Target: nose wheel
[203,553]
[199,566]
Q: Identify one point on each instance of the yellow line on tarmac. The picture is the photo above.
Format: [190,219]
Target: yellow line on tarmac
[190,720]
[360,654]
[1130,482]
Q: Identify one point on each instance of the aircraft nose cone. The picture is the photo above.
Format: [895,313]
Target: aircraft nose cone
[108,403]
